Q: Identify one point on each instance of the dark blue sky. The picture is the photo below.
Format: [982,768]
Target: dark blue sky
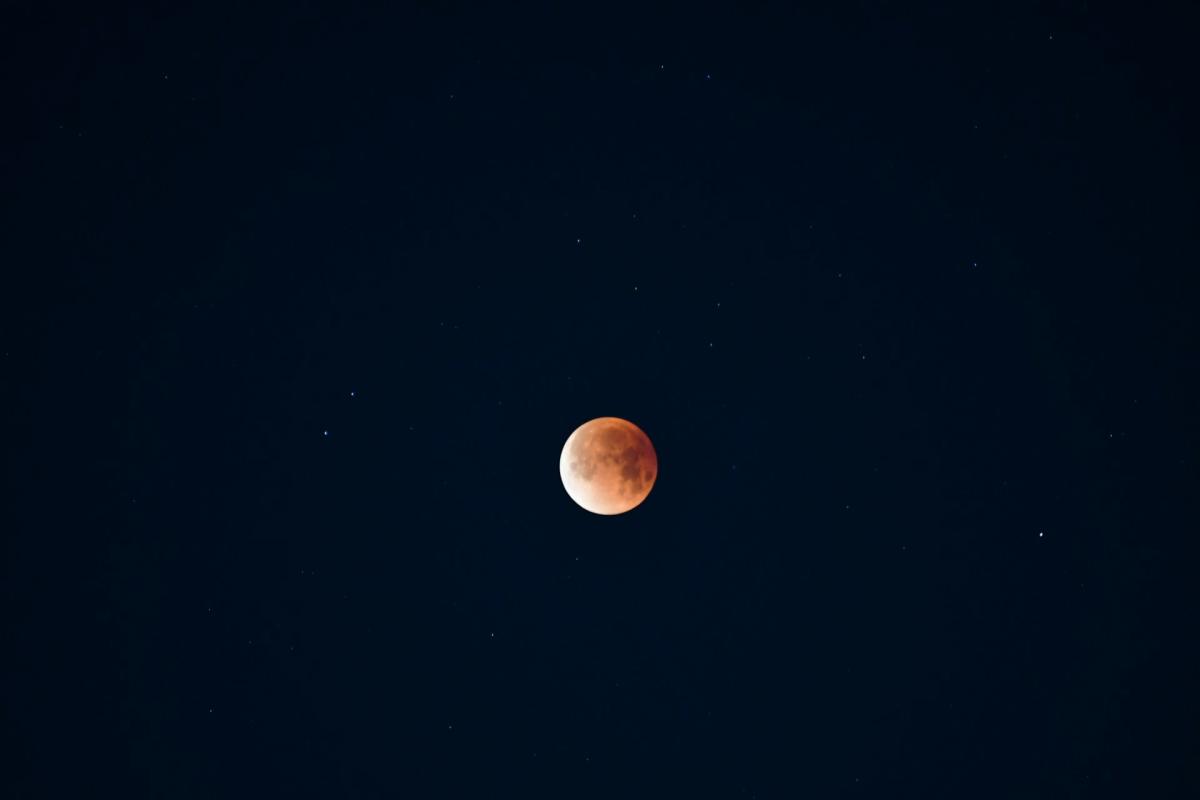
[299,305]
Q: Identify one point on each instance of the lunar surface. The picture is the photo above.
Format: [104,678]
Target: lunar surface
[608,465]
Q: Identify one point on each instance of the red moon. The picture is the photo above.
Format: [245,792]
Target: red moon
[608,465]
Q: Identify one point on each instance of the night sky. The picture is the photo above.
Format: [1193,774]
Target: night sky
[299,304]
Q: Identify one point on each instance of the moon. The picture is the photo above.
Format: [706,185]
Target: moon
[608,465]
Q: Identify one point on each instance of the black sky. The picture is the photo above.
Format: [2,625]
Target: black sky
[300,303]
